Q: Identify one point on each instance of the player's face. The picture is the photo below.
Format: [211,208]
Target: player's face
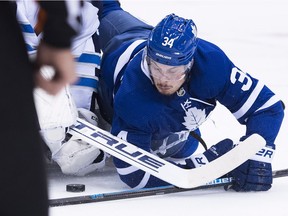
[167,79]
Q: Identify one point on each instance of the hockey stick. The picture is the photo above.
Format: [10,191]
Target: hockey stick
[101,197]
[160,168]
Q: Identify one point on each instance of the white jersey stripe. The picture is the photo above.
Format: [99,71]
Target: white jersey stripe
[274,99]
[127,170]
[131,169]
[124,58]
[252,98]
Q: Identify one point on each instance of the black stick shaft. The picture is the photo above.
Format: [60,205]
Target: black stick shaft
[280,173]
[144,192]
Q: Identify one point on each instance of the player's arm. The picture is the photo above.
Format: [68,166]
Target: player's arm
[59,22]
[254,105]
[131,175]
[137,178]
[262,112]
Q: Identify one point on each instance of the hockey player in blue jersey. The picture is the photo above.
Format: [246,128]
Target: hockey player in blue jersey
[159,84]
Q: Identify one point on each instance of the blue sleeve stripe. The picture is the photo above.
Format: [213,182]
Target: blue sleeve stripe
[87,82]
[89,58]
[27,28]
[29,48]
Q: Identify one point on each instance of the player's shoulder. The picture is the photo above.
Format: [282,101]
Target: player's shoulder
[208,49]
[211,69]
[123,51]
[211,59]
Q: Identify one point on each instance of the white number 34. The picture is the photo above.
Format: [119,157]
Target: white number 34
[168,42]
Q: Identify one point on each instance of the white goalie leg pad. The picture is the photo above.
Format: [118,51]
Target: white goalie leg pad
[77,157]
[55,113]
[53,138]
[54,110]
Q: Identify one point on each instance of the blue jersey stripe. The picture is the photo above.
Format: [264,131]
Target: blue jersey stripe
[87,82]
[26,28]
[89,58]
[29,48]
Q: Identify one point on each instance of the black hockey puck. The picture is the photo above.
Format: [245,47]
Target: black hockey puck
[75,187]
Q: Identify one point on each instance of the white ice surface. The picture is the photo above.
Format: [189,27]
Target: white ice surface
[254,34]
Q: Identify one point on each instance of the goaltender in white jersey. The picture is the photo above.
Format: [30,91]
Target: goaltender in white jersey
[57,113]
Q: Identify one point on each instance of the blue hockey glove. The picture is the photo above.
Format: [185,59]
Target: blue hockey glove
[256,173]
[211,154]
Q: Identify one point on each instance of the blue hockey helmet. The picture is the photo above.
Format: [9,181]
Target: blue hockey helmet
[173,41]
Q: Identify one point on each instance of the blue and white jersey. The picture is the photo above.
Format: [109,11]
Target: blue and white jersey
[86,52]
[161,124]
[27,12]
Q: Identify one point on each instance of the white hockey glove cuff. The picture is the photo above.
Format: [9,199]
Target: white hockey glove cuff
[266,154]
